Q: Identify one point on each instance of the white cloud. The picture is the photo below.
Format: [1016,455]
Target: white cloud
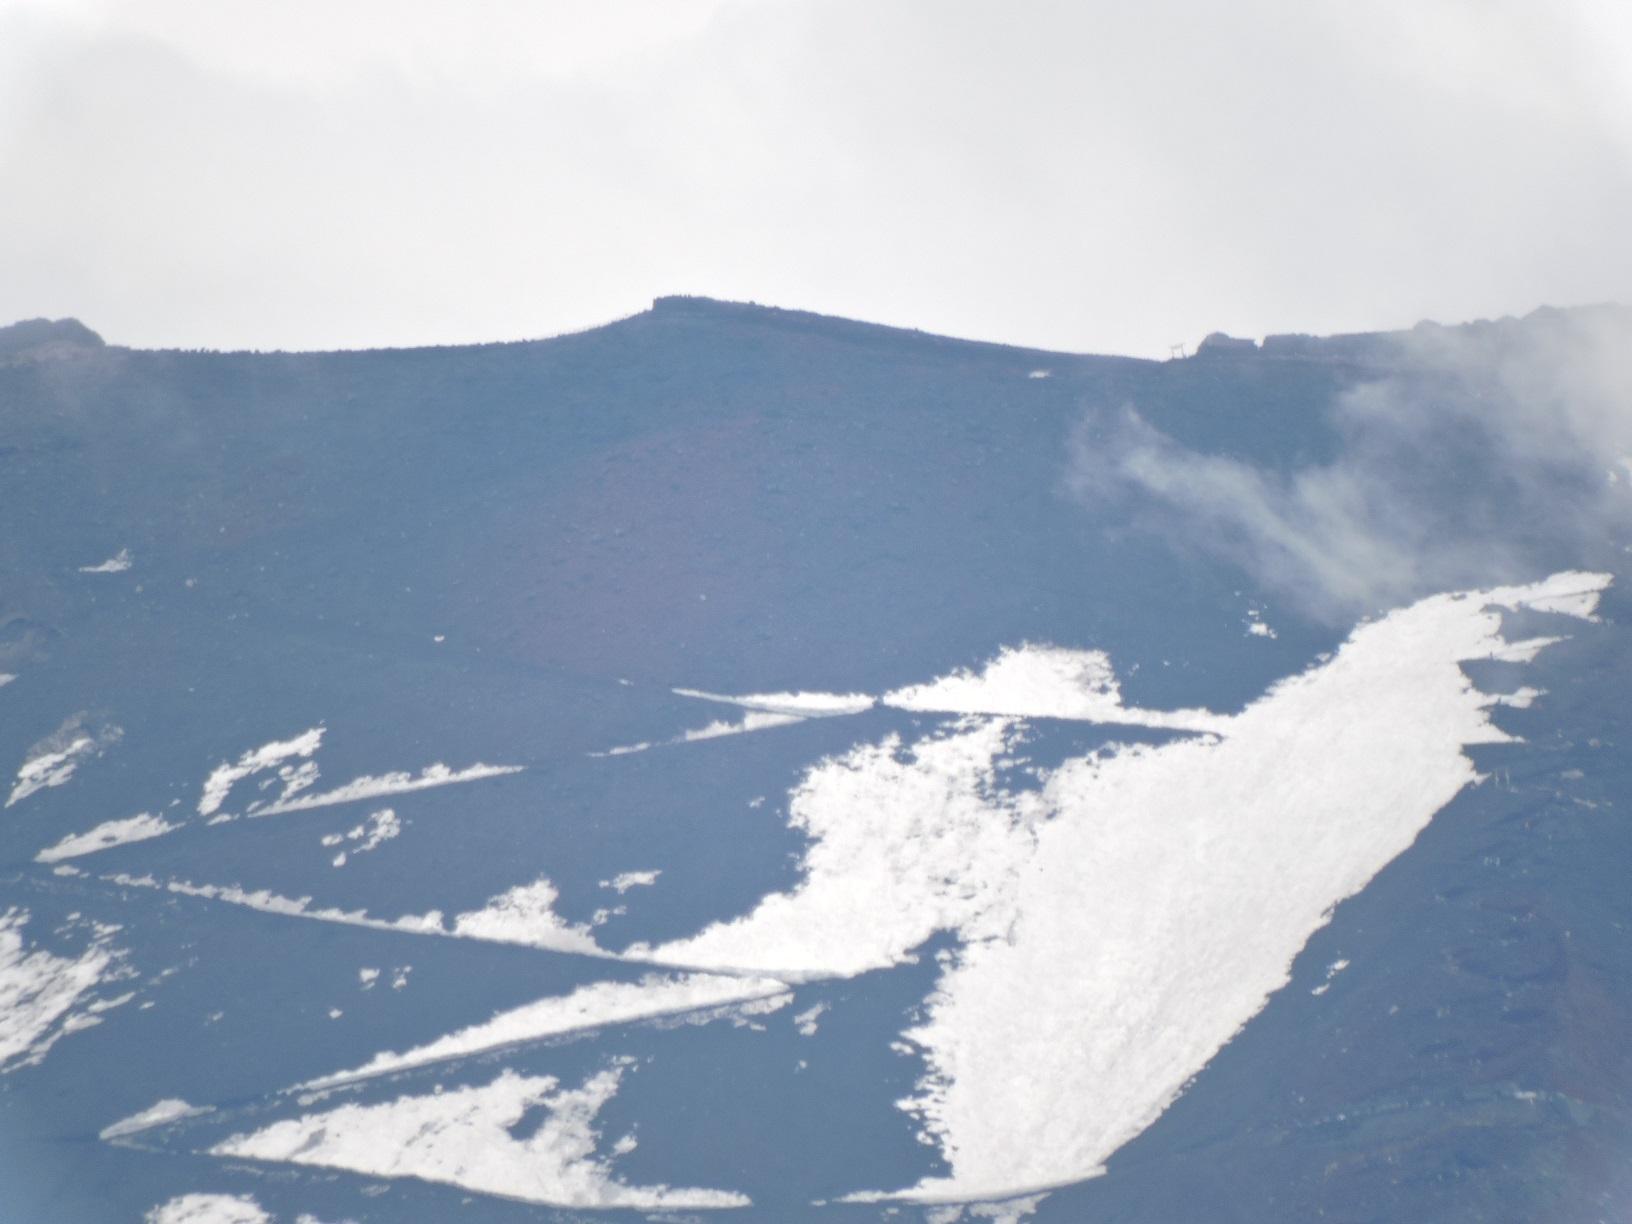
[1526,412]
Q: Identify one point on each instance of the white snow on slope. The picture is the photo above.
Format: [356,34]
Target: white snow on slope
[462,1137]
[379,828]
[625,880]
[521,915]
[170,1110]
[1005,1211]
[207,1209]
[52,767]
[1145,902]
[106,835]
[807,1021]
[116,564]
[526,915]
[1039,681]
[1031,680]
[1172,887]
[801,705]
[593,1006]
[52,760]
[6,678]
[39,990]
[754,720]
[269,902]
[397,783]
[905,842]
[268,756]
[1580,602]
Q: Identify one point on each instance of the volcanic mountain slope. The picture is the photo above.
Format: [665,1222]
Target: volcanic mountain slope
[736,758]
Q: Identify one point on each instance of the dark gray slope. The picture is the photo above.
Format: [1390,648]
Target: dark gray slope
[510,553]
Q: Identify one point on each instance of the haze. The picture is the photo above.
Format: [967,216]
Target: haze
[1091,177]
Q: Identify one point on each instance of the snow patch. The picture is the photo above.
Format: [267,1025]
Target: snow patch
[1114,898]
[1128,931]
[52,760]
[397,783]
[268,756]
[904,842]
[208,1209]
[588,1007]
[269,902]
[116,564]
[521,915]
[526,915]
[39,990]
[379,828]
[806,1021]
[624,881]
[1332,970]
[1041,681]
[1007,1211]
[802,705]
[105,836]
[463,1137]
[624,749]
[170,1110]
[753,721]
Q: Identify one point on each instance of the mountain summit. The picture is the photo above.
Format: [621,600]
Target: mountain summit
[38,337]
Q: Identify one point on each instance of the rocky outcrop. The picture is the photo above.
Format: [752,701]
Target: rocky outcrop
[46,338]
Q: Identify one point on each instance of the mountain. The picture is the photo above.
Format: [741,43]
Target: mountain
[739,758]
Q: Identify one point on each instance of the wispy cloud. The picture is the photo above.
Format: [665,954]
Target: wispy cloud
[1491,453]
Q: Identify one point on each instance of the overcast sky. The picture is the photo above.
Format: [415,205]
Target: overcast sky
[1104,177]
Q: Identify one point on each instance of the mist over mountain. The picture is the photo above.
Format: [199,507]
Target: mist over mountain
[738,758]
